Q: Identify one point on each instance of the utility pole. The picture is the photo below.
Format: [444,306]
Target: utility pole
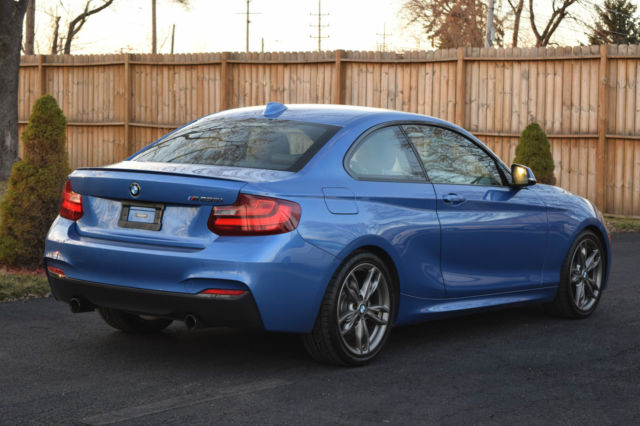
[384,38]
[154,41]
[173,37]
[248,14]
[491,32]
[319,25]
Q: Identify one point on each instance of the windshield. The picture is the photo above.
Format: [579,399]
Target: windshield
[253,143]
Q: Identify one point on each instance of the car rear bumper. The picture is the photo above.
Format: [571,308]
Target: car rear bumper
[285,276]
[232,311]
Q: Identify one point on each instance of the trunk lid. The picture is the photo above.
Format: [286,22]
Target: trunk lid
[158,204]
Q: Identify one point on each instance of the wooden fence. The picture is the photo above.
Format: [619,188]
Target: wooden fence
[586,98]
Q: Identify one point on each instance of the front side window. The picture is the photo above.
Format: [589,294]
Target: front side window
[253,143]
[450,158]
[385,155]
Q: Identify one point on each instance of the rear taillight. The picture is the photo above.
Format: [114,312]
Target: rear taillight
[255,215]
[56,271]
[71,206]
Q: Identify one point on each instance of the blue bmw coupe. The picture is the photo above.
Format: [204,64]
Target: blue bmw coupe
[333,222]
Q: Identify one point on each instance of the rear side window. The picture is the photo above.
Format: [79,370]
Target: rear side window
[253,143]
[385,154]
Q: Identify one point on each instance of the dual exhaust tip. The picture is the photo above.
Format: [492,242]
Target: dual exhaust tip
[78,305]
[192,322]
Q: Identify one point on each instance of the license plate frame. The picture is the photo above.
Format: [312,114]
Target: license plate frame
[130,206]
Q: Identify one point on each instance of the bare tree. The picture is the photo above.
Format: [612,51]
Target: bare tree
[11,21]
[29,34]
[62,43]
[78,22]
[54,38]
[516,8]
[452,23]
[560,11]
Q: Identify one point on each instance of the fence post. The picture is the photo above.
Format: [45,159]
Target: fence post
[602,165]
[460,89]
[338,84]
[127,106]
[42,78]
[224,98]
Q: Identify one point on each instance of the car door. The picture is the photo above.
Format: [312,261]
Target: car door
[493,235]
[396,202]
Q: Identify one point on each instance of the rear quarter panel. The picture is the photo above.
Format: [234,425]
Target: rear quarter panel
[399,218]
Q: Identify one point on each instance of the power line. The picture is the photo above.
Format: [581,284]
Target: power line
[319,26]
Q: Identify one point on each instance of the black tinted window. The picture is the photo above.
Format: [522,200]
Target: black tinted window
[449,157]
[385,154]
[254,143]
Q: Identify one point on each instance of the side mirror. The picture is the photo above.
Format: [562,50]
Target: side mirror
[522,175]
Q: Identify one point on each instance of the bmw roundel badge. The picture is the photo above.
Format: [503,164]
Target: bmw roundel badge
[134,189]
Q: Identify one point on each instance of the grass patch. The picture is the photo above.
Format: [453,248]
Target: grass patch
[22,285]
[622,224]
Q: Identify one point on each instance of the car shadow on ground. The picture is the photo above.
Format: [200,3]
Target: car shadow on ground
[235,348]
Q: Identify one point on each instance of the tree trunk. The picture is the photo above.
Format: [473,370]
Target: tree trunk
[11,18]
[517,13]
[29,35]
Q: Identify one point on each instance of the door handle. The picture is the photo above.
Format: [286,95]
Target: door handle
[453,199]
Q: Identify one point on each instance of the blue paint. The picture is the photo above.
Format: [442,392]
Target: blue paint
[456,248]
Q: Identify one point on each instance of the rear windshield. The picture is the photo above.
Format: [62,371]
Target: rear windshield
[254,143]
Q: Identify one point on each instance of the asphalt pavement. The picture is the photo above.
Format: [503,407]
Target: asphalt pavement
[516,366]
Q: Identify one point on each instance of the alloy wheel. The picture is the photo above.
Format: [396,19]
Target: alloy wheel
[364,304]
[586,274]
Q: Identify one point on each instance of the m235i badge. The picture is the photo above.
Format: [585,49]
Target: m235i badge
[205,199]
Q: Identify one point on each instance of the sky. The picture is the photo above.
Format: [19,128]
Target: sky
[219,25]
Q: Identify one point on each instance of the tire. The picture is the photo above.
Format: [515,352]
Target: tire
[581,278]
[131,323]
[355,318]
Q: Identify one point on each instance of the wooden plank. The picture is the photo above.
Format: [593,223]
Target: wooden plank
[224,81]
[338,79]
[460,86]
[602,164]
[127,106]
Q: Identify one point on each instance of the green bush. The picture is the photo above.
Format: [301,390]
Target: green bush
[33,197]
[534,151]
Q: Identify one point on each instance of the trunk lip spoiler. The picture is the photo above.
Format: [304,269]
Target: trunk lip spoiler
[252,175]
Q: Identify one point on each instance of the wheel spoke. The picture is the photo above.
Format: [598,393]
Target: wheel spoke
[593,261]
[589,291]
[575,276]
[366,336]
[579,296]
[583,256]
[352,288]
[375,318]
[376,309]
[373,286]
[367,283]
[348,318]
[359,333]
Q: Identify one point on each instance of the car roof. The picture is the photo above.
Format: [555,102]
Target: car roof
[335,115]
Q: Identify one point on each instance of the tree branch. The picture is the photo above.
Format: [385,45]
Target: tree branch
[76,25]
